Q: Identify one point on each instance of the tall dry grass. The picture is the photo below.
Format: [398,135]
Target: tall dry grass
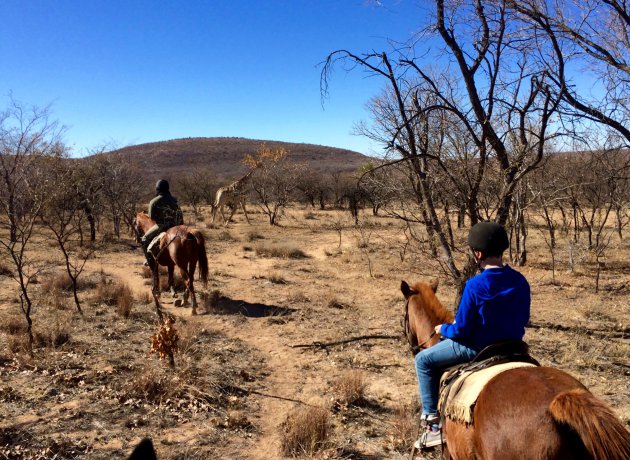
[305,431]
[349,388]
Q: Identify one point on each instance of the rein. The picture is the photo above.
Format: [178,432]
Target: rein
[415,349]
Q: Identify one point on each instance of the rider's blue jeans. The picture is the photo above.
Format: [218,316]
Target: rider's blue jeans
[431,363]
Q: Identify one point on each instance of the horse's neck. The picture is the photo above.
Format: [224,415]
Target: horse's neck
[425,324]
[146,222]
[429,316]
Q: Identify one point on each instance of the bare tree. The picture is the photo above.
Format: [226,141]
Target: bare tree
[27,138]
[62,215]
[89,187]
[195,188]
[275,181]
[591,36]
[489,90]
[123,185]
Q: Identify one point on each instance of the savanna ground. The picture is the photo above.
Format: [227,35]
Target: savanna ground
[266,357]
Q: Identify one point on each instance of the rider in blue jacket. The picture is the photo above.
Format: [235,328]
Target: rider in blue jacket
[494,308]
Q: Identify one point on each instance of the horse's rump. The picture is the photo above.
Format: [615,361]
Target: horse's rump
[201,255]
[546,413]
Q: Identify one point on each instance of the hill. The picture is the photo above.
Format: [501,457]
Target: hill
[222,156]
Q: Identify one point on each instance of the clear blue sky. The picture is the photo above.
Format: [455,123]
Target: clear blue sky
[128,72]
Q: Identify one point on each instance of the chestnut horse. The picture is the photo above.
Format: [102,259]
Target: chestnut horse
[182,246]
[524,413]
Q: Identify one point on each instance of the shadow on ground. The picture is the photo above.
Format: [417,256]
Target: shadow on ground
[251,310]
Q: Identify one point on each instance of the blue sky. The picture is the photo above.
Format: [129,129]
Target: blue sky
[127,72]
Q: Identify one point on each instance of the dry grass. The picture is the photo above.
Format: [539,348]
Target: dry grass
[349,389]
[124,301]
[147,274]
[332,301]
[61,282]
[13,325]
[153,384]
[116,294]
[5,270]
[52,337]
[145,298]
[283,251]
[225,236]
[254,235]
[305,431]
[58,300]
[210,300]
[276,278]
[17,344]
[298,296]
[403,427]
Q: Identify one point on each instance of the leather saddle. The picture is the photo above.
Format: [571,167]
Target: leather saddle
[495,354]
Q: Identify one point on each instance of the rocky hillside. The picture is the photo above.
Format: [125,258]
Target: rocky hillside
[221,156]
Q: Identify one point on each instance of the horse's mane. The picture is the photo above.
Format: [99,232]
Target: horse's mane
[436,312]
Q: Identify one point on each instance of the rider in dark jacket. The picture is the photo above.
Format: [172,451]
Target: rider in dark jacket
[166,213]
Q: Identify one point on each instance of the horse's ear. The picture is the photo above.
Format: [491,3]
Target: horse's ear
[406,289]
[434,284]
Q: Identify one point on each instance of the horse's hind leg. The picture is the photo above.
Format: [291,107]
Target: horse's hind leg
[171,280]
[189,284]
[184,274]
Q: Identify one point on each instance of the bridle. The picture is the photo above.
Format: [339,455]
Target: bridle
[415,349]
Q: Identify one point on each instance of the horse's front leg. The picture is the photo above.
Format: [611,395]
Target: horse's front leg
[155,270]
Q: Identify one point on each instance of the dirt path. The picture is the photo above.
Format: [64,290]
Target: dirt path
[241,276]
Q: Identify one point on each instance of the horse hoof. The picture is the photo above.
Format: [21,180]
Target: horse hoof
[178,303]
[194,312]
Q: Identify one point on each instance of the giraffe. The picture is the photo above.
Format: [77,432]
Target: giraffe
[231,195]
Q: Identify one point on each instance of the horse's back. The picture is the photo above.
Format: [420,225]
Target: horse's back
[512,419]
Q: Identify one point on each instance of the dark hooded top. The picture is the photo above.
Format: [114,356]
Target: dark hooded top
[165,211]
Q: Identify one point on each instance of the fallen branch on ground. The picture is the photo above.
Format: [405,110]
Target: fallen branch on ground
[620,333]
[323,345]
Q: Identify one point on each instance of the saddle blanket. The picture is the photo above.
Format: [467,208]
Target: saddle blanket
[155,241]
[462,394]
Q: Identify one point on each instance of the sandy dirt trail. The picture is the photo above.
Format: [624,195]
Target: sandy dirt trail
[286,386]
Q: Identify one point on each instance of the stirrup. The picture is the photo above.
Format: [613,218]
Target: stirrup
[429,439]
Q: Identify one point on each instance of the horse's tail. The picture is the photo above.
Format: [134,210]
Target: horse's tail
[601,432]
[201,256]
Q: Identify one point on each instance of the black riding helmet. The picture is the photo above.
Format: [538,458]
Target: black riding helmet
[488,237]
[162,186]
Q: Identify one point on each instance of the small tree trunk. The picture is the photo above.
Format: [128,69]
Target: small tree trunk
[468,271]
[447,221]
[461,216]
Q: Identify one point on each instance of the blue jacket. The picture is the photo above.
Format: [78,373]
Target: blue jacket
[494,307]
